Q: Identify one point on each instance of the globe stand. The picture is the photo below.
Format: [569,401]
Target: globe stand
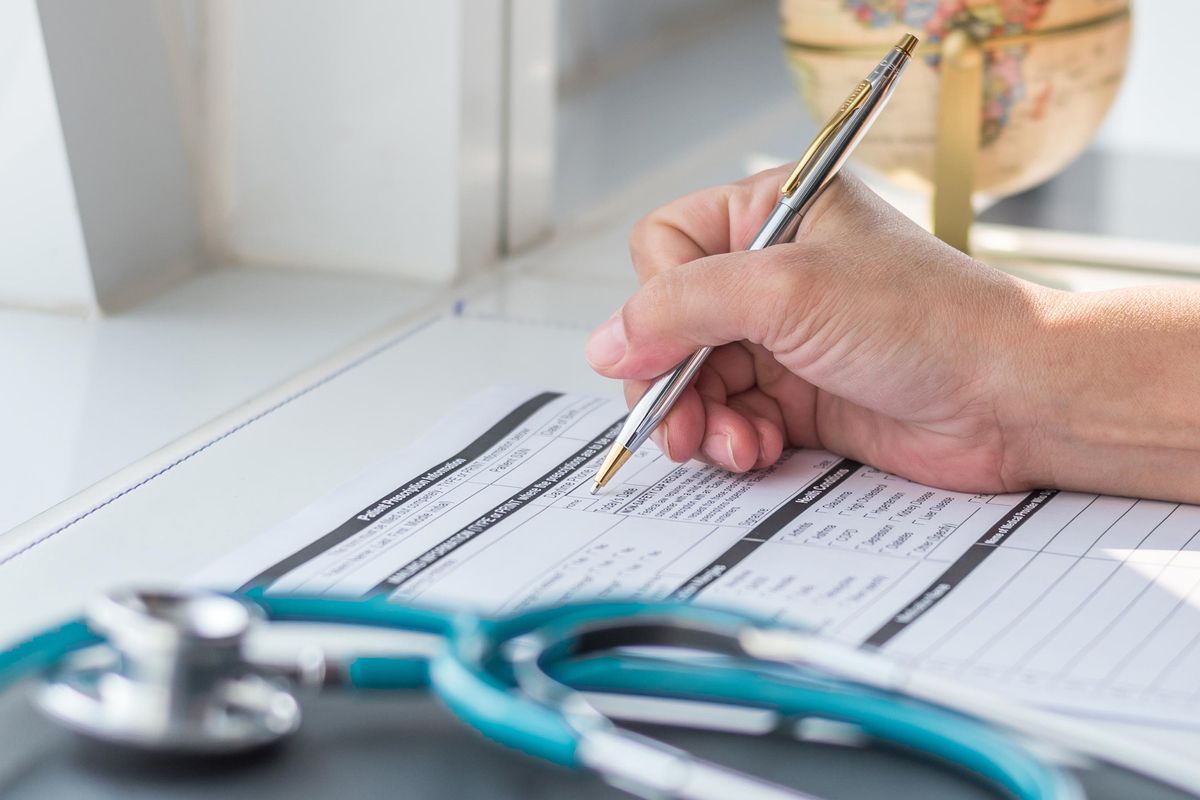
[956,150]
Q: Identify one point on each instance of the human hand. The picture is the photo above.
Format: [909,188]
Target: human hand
[866,336]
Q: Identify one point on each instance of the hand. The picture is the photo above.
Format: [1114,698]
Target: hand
[866,336]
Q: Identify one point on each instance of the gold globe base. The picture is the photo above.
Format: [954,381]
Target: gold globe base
[957,144]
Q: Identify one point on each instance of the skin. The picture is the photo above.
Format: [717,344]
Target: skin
[869,337]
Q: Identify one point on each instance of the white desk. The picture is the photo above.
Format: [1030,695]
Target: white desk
[83,397]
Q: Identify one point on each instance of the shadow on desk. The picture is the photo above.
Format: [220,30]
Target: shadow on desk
[406,746]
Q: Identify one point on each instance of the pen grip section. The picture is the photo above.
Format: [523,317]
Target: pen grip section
[661,396]
[779,227]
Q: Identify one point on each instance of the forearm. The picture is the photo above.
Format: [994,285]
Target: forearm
[1116,408]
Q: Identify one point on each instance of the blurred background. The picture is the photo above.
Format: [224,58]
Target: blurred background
[200,199]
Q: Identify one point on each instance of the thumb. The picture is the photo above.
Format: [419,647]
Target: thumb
[711,301]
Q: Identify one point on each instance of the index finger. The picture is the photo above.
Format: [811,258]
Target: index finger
[719,219]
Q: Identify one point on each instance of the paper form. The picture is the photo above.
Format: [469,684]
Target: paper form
[1073,601]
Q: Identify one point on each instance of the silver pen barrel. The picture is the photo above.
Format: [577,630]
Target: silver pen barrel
[803,188]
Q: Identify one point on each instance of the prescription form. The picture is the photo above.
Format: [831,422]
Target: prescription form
[1079,602]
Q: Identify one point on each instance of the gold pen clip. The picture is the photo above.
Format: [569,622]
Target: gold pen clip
[851,104]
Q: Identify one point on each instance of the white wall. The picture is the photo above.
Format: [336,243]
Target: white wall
[139,136]
[596,34]
[121,118]
[354,136]
[1158,108]
[97,200]
[43,262]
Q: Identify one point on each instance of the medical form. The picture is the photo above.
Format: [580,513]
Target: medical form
[1074,601]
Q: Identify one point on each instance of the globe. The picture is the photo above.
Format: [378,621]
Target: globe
[1050,71]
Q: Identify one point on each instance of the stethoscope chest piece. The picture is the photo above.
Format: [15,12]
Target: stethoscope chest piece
[172,677]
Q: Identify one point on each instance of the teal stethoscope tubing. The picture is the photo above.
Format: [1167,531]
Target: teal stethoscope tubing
[44,650]
[790,692]
[958,742]
[472,677]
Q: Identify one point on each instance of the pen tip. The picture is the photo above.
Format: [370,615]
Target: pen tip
[616,457]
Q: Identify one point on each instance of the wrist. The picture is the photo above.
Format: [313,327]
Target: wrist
[1103,387]
[1032,408]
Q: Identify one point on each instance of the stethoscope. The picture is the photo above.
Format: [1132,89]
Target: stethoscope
[170,672]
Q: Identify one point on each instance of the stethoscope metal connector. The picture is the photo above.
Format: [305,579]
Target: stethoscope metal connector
[173,677]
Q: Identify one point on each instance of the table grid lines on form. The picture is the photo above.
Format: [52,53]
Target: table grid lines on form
[933,647]
[1107,608]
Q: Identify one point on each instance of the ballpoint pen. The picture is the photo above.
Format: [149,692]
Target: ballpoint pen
[816,168]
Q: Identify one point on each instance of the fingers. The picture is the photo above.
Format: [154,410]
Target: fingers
[721,418]
[730,440]
[854,254]
[700,427]
[716,300]
[723,219]
[720,219]
[728,296]
[794,398]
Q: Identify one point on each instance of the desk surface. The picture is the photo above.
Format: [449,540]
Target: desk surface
[358,746]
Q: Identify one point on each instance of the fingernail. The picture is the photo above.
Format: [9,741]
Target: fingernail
[719,449]
[606,346]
